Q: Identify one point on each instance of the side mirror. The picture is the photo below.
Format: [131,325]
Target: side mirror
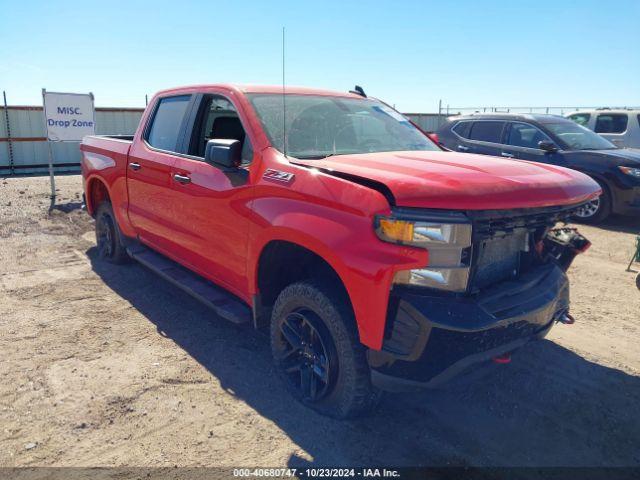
[547,146]
[226,153]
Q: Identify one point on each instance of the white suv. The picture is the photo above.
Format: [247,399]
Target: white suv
[622,127]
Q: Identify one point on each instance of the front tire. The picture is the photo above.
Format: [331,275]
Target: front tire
[596,211]
[317,352]
[108,236]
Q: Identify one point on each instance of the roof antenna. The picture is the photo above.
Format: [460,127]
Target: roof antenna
[358,90]
[284,104]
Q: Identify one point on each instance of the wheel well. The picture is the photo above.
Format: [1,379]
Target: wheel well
[98,193]
[606,187]
[283,263]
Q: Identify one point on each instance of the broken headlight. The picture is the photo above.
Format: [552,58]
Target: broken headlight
[448,241]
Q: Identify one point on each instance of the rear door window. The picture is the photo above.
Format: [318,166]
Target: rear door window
[525,135]
[487,131]
[612,123]
[166,125]
[581,118]
[462,129]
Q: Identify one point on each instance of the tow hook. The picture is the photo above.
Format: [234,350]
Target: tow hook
[567,319]
[502,359]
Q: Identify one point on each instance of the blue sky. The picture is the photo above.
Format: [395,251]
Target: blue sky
[409,53]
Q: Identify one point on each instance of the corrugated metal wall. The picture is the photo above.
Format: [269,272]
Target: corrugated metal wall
[429,122]
[28,138]
[29,147]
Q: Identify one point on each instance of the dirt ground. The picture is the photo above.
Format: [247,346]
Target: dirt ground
[104,366]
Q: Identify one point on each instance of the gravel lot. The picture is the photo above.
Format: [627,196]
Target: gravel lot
[105,365]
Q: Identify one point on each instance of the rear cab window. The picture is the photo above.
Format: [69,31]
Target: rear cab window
[612,123]
[487,131]
[166,124]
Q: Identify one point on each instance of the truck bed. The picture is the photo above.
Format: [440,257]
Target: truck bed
[113,146]
[124,138]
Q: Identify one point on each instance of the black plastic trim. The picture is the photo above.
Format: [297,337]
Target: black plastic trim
[432,337]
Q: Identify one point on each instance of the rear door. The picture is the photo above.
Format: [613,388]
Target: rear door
[456,136]
[485,137]
[212,202]
[149,182]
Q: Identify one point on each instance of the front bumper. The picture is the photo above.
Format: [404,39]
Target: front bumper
[432,337]
[627,202]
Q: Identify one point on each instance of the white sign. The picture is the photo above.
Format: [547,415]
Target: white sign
[68,116]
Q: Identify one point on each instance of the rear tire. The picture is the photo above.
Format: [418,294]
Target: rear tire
[598,210]
[317,352]
[108,236]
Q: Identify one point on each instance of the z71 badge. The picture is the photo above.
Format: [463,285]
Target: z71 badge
[278,176]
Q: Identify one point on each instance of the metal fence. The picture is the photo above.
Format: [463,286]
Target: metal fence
[446,110]
[23,142]
[429,122]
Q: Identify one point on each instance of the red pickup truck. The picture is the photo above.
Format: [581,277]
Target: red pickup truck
[378,260]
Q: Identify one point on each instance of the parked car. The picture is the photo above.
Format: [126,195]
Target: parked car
[620,127]
[377,260]
[554,140]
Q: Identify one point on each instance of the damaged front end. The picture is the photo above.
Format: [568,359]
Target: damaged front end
[563,244]
[510,243]
[517,289]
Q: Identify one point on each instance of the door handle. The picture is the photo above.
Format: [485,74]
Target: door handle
[462,148]
[181,178]
[134,166]
[507,154]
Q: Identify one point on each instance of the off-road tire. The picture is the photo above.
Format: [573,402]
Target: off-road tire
[108,236]
[351,393]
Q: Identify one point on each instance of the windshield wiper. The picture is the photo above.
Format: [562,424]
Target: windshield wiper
[317,157]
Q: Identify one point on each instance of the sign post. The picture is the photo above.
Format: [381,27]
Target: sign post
[68,117]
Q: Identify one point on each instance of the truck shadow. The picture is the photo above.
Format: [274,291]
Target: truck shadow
[548,407]
[619,223]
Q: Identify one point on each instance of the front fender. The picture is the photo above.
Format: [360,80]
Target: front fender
[347,242]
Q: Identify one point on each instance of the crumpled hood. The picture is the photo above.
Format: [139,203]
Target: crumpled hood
[460,181]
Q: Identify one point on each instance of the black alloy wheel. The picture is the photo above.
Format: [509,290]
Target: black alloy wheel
[317,352]
[108,237]
[105,235]
[307,355]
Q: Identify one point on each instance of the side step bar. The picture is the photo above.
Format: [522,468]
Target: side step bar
[224,304]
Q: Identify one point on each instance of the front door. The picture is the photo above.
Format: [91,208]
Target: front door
[149,168]
[522,142]
[211,202]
